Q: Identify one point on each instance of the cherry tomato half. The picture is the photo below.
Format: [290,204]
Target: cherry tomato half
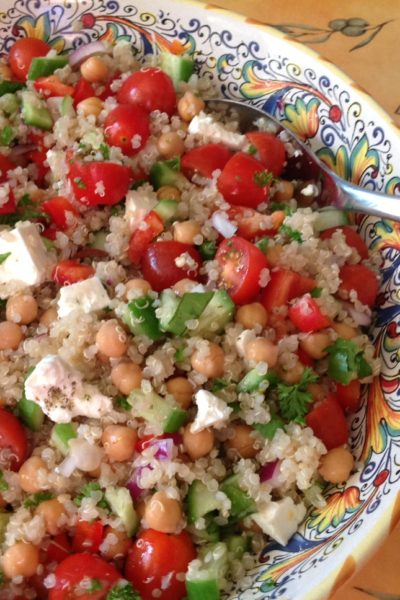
[21,54]
[306,315]
[151,88]
[5,165]
[241,264]
[156,556]
[204,160]
[61,211]
[244,181]
[353,239]
[88,536]
[159,267]
[128,127]
[270,149]
[52,86]
[142,238]
[252,224]
[328,422]
[79,569]
[284,286]
[361,279]
[83,89]
[71,271]
[349,395]
[13,438]
[59,548]
[100,182]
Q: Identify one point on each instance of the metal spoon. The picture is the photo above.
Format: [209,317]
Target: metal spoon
[335,191]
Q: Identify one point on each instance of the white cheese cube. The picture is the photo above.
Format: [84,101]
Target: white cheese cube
[281,519]
[138,204]
[87,296]
[28,263]
[211,411]
[212,131]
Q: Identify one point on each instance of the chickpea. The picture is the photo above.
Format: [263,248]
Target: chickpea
[10,335]
[5,72]
[119,442]
[49,316]
[170,144]
[32,475]
[189,106]
[111,339]
[261,350]
[182,391]
[163,513]
[315,344]
[284,191]
[198,444]
[126,377]
[336,465]
[242,442]
[292,375]
[90,106]
[54,515]
[21,309]
[94,69]
[20,560]
[168,192]
[183,286]
[274,255]
[141,287]
[317,391]
[186,231]
[250,315]
[344,331]
[211,364]
[116,545]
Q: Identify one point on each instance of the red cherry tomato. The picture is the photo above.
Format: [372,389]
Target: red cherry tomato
[61,211]
[243,181]
[5,165]
[13,441]
[10,206]
[88,536]
[361,279]
[328,422]
[306,315]
[241,264]
[353,239]
[71,271]
[97,183]
[82,568]
[52,86]
[159,267]
[204,160]
[284,286]
[151,88]
[58,548]
[142,238]
[349,395]
[252,224]
[38,157]
[156,556]
[83,89]
[107,92]
[128,127]
[305,358]
[21,54]
[271,150]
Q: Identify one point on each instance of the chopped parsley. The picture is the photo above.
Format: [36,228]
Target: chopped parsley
[263,244]
[252,150]
[269,429]
[208,249]
[122,402]
[26,211]
[4,257]
[218,385]
[79,183]
[262,178]
[95,586]
[87,491]
[7,134]
[291,233]
[3,483]
[123,592]
[316,292]
[35,499]
[105,150]
[180,354]
[347,362]
[281,206]
[295,399]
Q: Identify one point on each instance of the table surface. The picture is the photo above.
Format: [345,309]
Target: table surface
[369,52]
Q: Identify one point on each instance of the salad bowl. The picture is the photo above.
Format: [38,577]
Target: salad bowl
[251,63]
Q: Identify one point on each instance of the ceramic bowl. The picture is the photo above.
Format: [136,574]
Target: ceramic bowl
[258,65]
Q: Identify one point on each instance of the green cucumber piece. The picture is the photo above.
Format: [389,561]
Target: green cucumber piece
[191,307]
[43,66]
[140,316]
[67,107]
[218,312]
[178,67]
[99,239]
[202,589]
[4,518]
[253,381]
[200,501]
[330,217]
[237,545]
[121,504]
[30,414]
[169,303]
[9,87]
[166,209]
[9,103]
[175,420]
[210,534]
[241,503]
[268,430]
[167,172]
[62,434]
[151,407]
[34,112]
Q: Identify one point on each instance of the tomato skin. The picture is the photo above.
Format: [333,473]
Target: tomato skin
[353,239]
[58,209]
[142,238]
[159,268]
[21,54]
[252,224]
[204,160]
[52,86]
[151,88]
[241,264]
[71,271]
[271,150]
[12,436]
[82,90]
[306,315]
[84,177]
[153,556]
[5,165]
[70,572]
[58,548]
[88,536]
[349,395]
[237,182]
[361,279]
[123,123]
[305,358]
[284,286]
[328,422]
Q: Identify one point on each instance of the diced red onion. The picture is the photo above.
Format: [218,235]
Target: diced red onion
[84,52]
[269,472]
[223,225]
[135,490]
[165,448]
[359,318]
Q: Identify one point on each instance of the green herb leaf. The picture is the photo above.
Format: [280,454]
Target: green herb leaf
[26,200]
[4,257]
[105,150]
[208,250]
[35,499]
[123,403]
[263,178]
[347,362]
[316,292]
[295,399]
[291,233]
[263,244]
[95,586]
[3,483]
[123,592]
[252,150]
[281,206]
[80,184]
[87,491]
[269,429]
[180,355]
[7,135]
[218,385]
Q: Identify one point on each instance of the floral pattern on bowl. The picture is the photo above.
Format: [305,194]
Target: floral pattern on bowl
[256,64]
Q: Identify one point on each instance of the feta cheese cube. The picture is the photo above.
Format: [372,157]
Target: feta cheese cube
[211,411]
[280,519]
[212,131]
[87,296]
[28,262]
[138,204]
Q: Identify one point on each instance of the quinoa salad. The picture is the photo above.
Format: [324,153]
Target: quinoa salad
[181,331]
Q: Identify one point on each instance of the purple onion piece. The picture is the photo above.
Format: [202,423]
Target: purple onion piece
[84,52]
[135,490]
[269,471]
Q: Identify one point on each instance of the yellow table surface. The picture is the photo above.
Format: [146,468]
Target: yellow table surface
[375,67]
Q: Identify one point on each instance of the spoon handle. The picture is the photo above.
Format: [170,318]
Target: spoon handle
[358,199]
